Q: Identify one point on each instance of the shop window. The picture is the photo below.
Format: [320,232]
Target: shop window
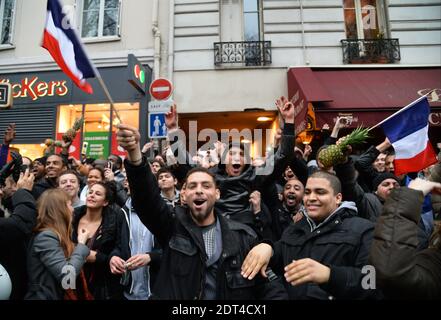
[7,9]
[100,18]
[32,151]
[365,19]
[96,129]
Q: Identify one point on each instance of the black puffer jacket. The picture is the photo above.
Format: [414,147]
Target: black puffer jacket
[342,243]
[182,273]
[402,271]
[15,233]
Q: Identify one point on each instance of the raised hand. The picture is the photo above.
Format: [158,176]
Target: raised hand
[128,138]
[171,118]
[255,199]
[425,186]
[83,236]
[308,151]
[26,180]
[286,109]
[9,134]
[108,174]
[147,147]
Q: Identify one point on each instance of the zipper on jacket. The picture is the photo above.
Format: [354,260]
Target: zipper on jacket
[202,284]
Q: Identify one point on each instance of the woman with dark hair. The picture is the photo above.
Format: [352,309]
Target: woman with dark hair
[105,225]
[54,261]
[95,175]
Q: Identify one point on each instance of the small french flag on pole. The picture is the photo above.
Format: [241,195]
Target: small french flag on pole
[408,133]
[62,42]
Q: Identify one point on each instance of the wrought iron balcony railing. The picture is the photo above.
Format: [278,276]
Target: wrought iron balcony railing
[370,51]
[247,53]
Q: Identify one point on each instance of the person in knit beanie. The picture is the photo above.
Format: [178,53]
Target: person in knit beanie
[384,183]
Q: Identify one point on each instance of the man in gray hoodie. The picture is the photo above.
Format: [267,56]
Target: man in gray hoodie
[323,255]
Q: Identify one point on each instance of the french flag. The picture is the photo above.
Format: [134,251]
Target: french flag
[62,42]
[408,133]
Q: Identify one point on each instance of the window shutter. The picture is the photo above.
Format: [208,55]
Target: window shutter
[33,123]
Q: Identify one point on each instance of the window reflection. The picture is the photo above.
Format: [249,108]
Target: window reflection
[100,18]
[6,7]
[97,124]
[251,20]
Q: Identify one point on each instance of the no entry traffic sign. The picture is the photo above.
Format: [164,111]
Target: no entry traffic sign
[161,89]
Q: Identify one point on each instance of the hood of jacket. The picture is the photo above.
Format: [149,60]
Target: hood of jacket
[345,208]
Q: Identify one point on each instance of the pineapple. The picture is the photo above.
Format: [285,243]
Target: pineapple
[50,146]
[70,134]
[48,142]
[335,154]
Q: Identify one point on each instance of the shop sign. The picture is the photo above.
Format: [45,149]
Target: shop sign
[435,119]
[433,94]
[300,112]
[34,88]
[96,144]
[137,74]
[5,95]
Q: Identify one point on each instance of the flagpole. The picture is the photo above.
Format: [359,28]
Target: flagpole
[109,97]
[401,110]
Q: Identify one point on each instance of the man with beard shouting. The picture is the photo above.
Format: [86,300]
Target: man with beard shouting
[202,250]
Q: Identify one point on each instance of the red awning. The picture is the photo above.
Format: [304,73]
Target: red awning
[368,95]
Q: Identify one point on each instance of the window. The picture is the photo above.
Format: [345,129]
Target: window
[365,19]
[96,124]
[251,20]
[100,18]
[241,20]
[7,8]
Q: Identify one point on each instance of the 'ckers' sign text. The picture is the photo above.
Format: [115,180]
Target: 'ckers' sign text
[34,88]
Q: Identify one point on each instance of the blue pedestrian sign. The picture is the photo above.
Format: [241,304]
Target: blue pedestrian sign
[157,127]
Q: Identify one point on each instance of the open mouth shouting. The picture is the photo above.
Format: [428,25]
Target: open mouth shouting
[199,203]
[236,168]
[291,199]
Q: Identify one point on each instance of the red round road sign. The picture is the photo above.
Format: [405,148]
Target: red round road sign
[161,89]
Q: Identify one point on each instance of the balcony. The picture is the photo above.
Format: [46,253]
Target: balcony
[248,53]
[370,51]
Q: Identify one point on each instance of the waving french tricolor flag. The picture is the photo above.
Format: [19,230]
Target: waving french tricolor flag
[408,133]
[62,42]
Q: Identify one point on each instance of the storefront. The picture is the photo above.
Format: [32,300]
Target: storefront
[46,104]
[365,95]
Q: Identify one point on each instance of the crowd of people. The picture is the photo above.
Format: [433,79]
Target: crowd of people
[214,228]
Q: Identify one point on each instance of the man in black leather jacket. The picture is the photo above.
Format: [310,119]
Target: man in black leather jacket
[202,251]
[236,177]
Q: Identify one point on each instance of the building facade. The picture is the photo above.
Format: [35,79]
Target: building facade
[228,60]
[232,56]
[46,102]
